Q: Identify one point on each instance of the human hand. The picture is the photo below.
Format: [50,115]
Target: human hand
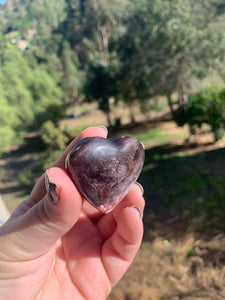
[67,249]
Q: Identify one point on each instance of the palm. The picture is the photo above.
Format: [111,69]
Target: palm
[83,253]
[78,270]
[81,264]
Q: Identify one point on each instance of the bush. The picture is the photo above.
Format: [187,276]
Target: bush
[54,142]
[53,137]
[204,107]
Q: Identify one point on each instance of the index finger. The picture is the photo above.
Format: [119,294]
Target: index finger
[39,190]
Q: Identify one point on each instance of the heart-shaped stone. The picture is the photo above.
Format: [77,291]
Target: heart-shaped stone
[104,170]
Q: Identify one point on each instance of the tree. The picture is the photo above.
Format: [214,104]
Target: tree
[27,92]
[8,123]
[71,76]
[204,107]
[101,33]
[165,46]
[127,50]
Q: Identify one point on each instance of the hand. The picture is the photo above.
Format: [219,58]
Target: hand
[67,250]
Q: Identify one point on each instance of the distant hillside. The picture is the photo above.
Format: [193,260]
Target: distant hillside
[13,9]
[24,16]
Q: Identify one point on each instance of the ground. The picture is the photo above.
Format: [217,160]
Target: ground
[182,255]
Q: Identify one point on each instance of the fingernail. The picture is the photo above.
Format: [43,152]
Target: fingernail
[140,187]
[52,188]
[103,127]
[138,210]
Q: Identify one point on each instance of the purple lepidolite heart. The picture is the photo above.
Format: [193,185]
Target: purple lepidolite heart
[104,170]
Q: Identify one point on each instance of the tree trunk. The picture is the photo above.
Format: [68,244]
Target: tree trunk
[104,105]
[82,8]
[109,120]
[169,100]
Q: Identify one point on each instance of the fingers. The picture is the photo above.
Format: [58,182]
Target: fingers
[39,190]
[107,223]
[134,197]
[95,215]
[37,231]
[120,249]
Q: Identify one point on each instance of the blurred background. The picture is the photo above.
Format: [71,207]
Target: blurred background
[151,69]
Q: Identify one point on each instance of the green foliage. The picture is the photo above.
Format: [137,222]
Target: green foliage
[53,137]
[166,45]
[52,112]
[71,79]
[190,251]
[8,119]
[7,138]
[204,107]
[27,178]
[102,65]
[29,96]
[54,141]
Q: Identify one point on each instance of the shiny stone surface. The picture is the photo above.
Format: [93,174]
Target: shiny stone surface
[104,170]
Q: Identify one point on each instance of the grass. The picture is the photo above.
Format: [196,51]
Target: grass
[189,186]
[171,271]
[158,136]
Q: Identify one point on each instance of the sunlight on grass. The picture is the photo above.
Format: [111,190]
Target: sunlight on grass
[157,136]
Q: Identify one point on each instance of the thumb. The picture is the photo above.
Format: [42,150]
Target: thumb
[36,231]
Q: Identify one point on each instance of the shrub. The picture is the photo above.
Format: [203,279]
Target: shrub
[204,107]
[53,137]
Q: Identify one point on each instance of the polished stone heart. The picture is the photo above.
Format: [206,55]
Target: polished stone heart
[104,170]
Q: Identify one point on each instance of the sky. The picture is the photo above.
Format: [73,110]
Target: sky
[2,1]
